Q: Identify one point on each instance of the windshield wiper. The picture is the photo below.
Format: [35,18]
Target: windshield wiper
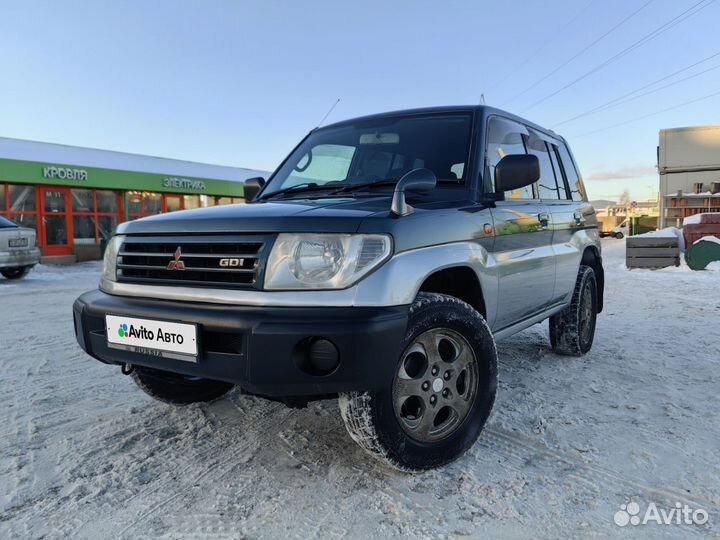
[305,186]
[375,183]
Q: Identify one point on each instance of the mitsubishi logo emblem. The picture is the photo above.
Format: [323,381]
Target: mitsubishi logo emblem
[176,264]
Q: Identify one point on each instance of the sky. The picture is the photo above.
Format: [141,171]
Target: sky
[241,82]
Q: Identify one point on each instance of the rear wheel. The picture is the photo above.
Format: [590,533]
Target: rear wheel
[15,273]
[572,330]
[441,395]
[177,389]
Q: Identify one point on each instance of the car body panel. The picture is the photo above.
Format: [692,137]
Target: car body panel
[525,261]
[575,228]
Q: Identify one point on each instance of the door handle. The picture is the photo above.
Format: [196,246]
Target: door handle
[579,218]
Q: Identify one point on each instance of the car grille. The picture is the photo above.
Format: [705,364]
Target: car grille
[218,261]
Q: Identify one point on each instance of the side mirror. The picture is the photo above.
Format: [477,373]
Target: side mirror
[516,171]
[253,187]
[415,180]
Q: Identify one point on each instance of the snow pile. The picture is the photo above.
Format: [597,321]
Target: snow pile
[713,239]
[667,232]
[695,218]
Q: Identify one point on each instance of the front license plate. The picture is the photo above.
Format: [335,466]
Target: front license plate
[18,242]
[155,338]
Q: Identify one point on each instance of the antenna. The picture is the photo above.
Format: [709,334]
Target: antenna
[329,111]
[482,99]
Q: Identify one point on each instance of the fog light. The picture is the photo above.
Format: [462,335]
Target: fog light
[323,356]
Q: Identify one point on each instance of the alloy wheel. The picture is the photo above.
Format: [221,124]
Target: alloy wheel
[436,384]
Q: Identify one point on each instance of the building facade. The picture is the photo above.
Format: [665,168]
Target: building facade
[689,169]
[75,197]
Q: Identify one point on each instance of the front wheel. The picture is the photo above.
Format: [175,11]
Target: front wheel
[177,389]
[573,329]
[441,395]
[15,273]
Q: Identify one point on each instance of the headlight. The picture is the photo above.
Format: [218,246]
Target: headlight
[110,258]
[324,261]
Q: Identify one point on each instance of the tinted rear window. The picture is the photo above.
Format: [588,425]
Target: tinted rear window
[6,223]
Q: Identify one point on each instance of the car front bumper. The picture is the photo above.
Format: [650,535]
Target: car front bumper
[19,257]
[261,349]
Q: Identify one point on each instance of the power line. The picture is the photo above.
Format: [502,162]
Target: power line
[624,98]
[582,51]
[545,43]
[649,115]
[642,41]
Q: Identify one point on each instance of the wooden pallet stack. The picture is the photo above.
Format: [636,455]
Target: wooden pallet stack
[649,251]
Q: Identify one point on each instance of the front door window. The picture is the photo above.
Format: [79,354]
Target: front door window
[56,233]
[54,201]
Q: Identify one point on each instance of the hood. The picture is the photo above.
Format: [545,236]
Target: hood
[342,215]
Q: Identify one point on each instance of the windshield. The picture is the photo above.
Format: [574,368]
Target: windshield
[6,223]
[378,150]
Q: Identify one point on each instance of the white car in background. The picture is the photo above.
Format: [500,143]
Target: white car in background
[619,232]
[18,249]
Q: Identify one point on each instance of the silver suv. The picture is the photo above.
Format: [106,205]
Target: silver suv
[378,264]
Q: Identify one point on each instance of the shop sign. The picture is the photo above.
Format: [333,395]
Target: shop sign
[184,183]
[64,173]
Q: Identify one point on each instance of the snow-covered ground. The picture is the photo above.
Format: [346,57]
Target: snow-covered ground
[85,454]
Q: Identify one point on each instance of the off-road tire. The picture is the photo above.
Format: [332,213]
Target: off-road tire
[15,273]
[177,389]
[370,417]
[567,331]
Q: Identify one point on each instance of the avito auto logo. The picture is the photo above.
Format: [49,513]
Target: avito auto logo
[146,334]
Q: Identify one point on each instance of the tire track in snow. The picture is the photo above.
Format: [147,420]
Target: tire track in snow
[519,446]
[270,416]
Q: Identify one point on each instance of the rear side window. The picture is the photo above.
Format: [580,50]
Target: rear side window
[547,184]
[506,138]
[555,159]
[575,183]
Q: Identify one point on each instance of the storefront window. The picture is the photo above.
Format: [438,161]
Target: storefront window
[135,204]
[17,203]
[143,203]
[24,220]
[107,201]
[95,215]
[107,226]
[191,201]
[238,200]
[83,200]
[173,203]
[22,198]
[224,200]
[152,204]
[84,229]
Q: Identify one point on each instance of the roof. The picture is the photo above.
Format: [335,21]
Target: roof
[690,128]
[487,110]
[60,154]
